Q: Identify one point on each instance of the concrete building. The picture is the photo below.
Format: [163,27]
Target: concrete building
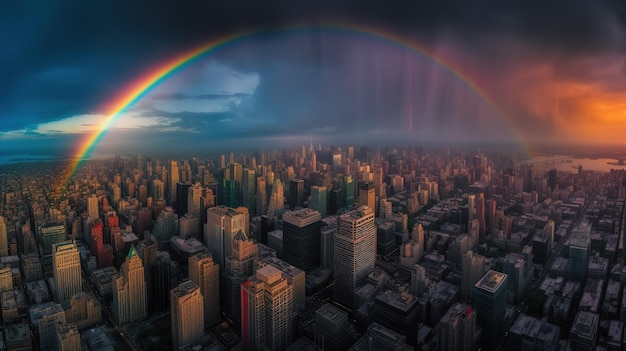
[129,290]
[584,332]
[528,333]
[4,243]
[67,338]
[332,329]
[223,223]
[489,296]
[66,270]
[381,338]
[301,238]
[354,252]
[206,274]
[239,266]
[266,311]
[457,329]
[187,314]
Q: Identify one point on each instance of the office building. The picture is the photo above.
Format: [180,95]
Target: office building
[4,243]
[182,198]
[248,190]
[301,238]
[354,252]
[528,333]
[187,314]
[67,338]
[584,332]
[173,179]
[333,331]
[165,227]
[319,200]
[456,329]
[206,274]
[367,195]
[261,196]
[276,206]
[66,270]
[6,278]
[239,266]
[296,193]
[473,268]
[129,290]
[490,294]
[223,223]
[381,338]
[267,311]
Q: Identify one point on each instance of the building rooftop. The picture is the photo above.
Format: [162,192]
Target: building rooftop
[491,281]
[400,301]
[184,288]
[302,217]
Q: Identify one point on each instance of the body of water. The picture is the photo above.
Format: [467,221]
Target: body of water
[570,164]
[19,158]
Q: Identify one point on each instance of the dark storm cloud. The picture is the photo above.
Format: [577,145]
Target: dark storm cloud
[66,58]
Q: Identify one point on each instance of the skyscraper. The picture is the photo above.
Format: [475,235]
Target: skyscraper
[239,266]
[456,328]
[92,207]
[206,274]
[472,270]
[261,196]
[490,302]
[367,195]
[182,198]
[266,311]
[248,190]
[66,270]
[4,243]
[319,200]
[187,314]
[301,238]
[276,206]
[296,193]
[223,223]
[354,253]
[174,177]
[129,290]
[165,226]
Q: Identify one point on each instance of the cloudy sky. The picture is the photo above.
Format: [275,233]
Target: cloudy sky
[527,73]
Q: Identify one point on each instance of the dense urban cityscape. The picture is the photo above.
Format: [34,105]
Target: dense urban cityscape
[313,248]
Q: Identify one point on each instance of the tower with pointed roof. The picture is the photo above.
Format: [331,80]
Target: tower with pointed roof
[129,290]
[239,266]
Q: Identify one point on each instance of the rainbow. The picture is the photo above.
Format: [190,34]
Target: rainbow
[152,78]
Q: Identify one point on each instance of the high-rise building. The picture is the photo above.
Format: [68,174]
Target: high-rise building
[480,215]
[266,311]
[276,206]
[584,332]
[248,190]
[490,302]
[4,243]
[296,193]
[165,227]
[129,290]
[332,329]
[182,198]
[188,226]
[327,241]
[239,266]
[47,319]
[66,270]
[354,252]
[174,177]
[367,195]
[301,238]
[187,314]
[473,268]
[261,196]
[67,338]
[206,274]
[223,223]
[319,200]
[92,207]
[6,278]
[456,329]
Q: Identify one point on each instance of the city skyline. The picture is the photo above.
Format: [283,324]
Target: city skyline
[280,75]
